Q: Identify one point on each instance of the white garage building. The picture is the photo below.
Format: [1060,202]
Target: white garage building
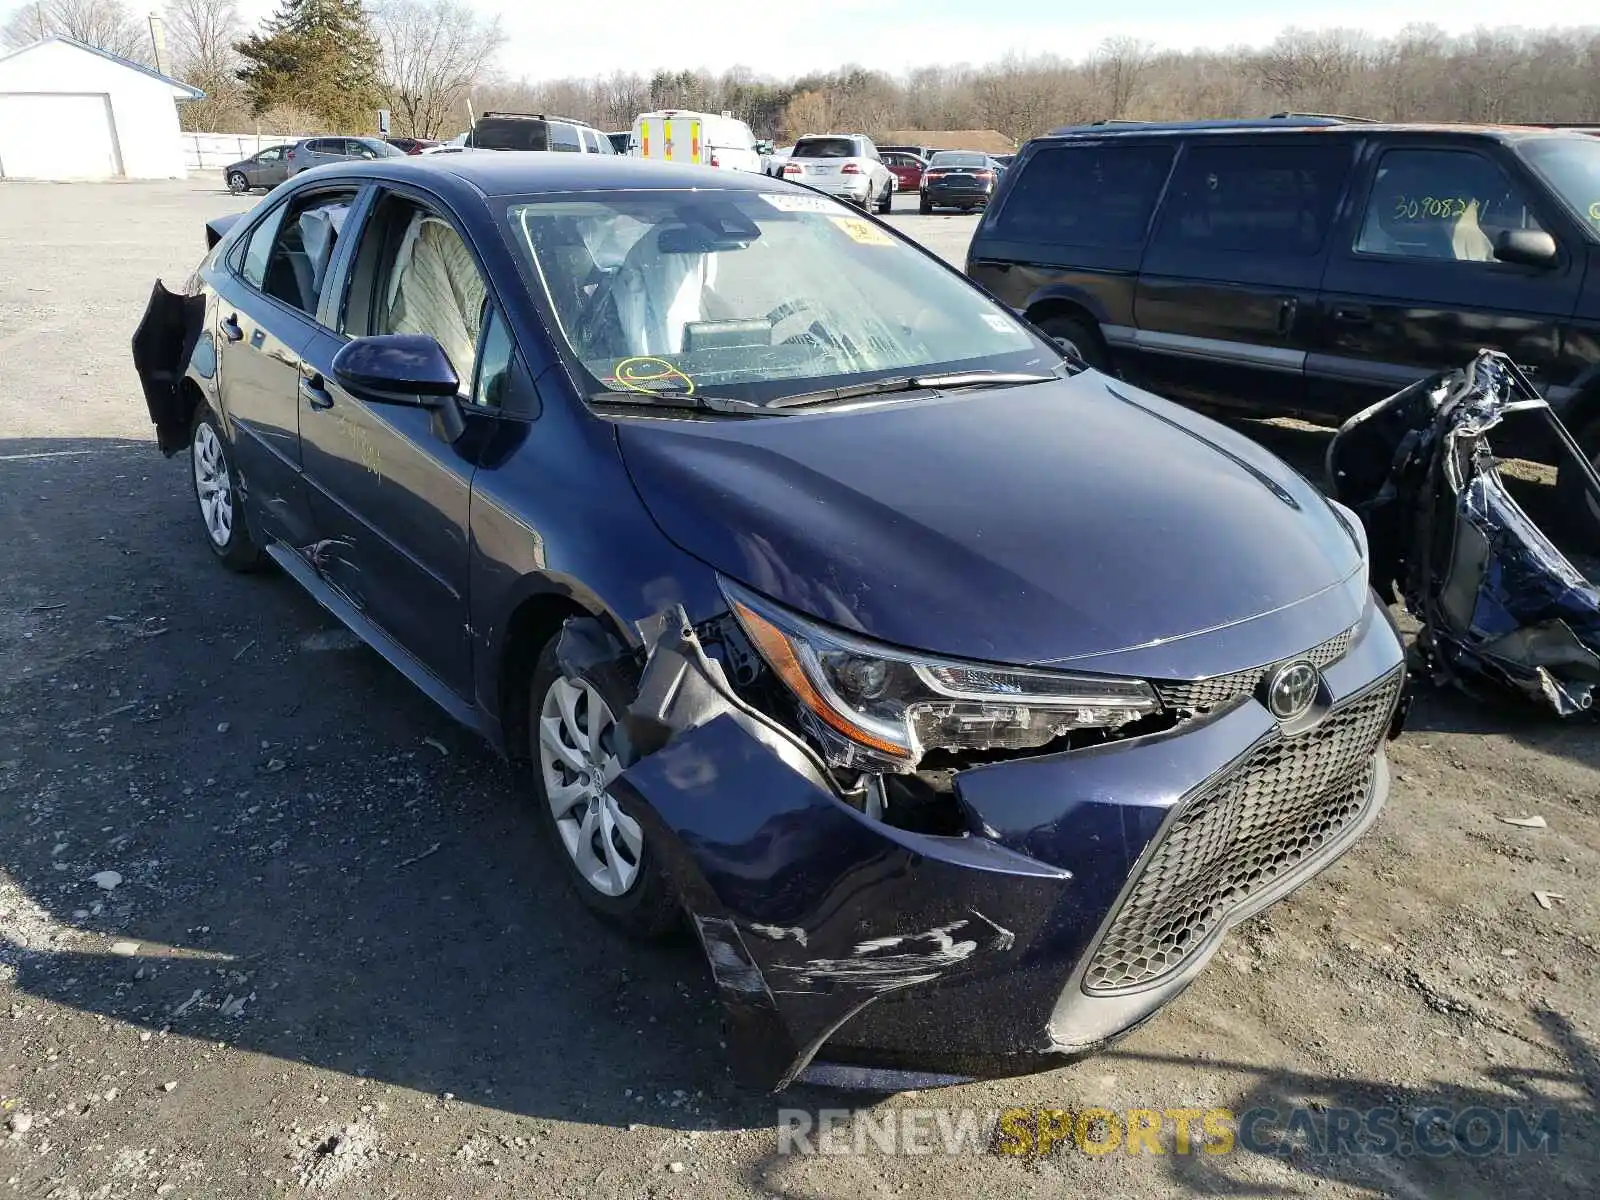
[71,111]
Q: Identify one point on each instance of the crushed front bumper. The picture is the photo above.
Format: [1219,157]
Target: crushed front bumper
[1093,888]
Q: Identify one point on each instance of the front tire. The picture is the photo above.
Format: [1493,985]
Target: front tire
[238,184]
[217,497]
[1078,338]
[603,850]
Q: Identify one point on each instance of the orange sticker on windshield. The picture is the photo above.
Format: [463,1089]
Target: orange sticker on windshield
[644,374]
[862,231]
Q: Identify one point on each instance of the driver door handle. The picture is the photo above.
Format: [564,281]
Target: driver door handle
[316,394]
[231,329]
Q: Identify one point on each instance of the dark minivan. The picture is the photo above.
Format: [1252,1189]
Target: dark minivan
[1307,266]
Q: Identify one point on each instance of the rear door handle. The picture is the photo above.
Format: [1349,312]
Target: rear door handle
[230,328]
[318,396]
[1353,314]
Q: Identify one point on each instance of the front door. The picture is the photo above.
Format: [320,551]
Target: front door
[390,495]
[267,300]
[1413,285]
[1228,286]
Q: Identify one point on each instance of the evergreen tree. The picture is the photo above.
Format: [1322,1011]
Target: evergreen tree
[319,56]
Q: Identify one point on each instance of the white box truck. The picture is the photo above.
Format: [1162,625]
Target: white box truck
[705,139]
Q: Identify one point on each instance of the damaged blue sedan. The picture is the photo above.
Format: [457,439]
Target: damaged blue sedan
[959,697]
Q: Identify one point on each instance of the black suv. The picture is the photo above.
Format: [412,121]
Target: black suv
[1307,266]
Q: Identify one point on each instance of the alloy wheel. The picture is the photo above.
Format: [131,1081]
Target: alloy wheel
[213,485]
[578,764]
[238,184]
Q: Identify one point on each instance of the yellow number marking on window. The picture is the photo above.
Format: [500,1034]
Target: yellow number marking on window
[645,374]
[861,231]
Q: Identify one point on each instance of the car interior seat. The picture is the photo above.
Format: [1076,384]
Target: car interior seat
[435,289]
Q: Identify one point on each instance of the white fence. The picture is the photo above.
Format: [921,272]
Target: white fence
[213,151]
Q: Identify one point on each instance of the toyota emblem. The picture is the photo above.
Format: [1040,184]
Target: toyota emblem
[1291,689]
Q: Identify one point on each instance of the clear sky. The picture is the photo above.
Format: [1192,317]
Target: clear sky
[782,39]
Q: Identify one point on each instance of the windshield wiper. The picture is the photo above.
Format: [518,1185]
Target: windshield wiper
[693,400]
[911,383]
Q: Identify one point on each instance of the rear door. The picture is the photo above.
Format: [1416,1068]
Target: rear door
[268,296]
[1227,291]
[389,495]
[1413,286]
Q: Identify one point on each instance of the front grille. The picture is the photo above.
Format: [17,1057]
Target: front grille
[1268,817]
[1204,695]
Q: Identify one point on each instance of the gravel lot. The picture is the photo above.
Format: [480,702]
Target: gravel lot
[270,925]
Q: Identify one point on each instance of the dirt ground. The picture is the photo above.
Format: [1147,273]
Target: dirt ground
[270,925]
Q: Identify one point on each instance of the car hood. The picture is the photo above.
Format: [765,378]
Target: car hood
[1031,524]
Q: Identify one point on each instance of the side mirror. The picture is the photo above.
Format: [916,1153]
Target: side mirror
[1525,247]
[408,369]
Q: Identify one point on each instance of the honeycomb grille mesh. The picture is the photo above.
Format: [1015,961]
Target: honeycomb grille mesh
[1206,694]
[1271,815]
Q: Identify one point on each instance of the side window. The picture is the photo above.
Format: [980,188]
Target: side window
[494,364]
[1440,204]
[425,280]
[1258,199]
[297,262]
[359,149]
[591,144]
[564,137]
[1096,195]
[325,146]
[272,155]
[253,264]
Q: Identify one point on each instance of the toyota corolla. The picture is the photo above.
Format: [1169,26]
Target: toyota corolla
[958,697]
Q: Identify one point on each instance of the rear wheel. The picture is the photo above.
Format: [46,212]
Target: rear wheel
[1078,338]
[925,206]
[237,183]
[604,851]
[886,201]
[217,496]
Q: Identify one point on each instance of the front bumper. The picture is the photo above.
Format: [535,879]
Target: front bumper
[1094,887]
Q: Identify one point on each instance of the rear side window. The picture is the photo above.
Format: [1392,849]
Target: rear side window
[825,147]
[1098,195]
[511,133]
[301,248]
[564,137]
[591,143]
[1254,199]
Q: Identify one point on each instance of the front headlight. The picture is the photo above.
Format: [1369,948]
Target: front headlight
[890,707]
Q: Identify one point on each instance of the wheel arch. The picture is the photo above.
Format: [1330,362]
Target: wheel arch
[536,617]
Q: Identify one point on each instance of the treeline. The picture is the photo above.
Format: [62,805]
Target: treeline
[1423,74]
[328,65]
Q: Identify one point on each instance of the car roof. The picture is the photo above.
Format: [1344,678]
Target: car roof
[528,172]
[1293,125]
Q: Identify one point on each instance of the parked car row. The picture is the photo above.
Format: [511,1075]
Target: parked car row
[269,167]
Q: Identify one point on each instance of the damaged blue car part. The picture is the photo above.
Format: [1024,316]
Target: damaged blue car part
[1502,609]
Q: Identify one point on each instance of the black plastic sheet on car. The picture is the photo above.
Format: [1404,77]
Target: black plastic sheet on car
[1501,608]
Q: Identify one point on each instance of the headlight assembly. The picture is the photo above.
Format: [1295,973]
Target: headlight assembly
[883,707]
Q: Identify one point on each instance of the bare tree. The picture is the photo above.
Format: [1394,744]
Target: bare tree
[1121,64]
[434,51]
[108,24]
[200,40]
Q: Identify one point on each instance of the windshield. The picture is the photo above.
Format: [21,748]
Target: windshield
[825,147]
[956,158]
[753,296]
[1571,166]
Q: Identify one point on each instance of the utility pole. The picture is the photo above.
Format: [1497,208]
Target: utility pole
[158,42]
